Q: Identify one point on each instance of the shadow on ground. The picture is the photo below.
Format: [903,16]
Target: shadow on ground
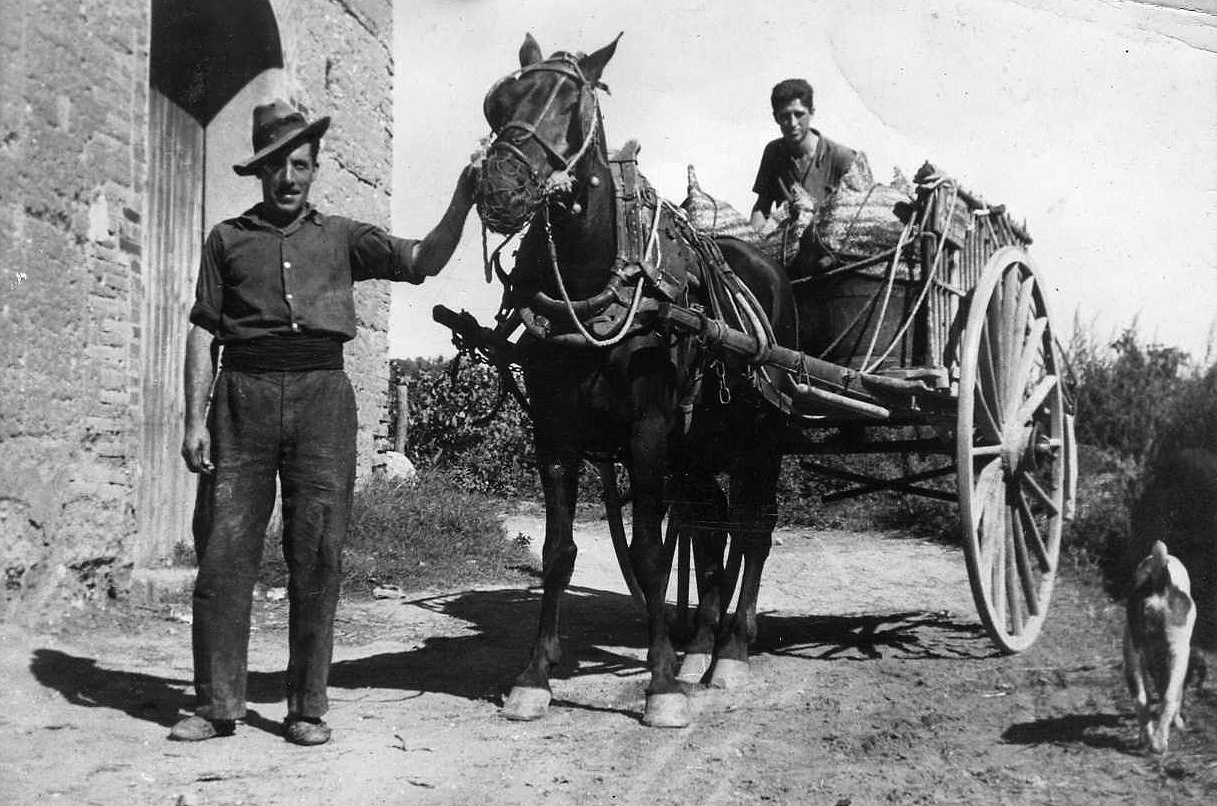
[161,700]
[603,633]
[909,634]
[1102,731]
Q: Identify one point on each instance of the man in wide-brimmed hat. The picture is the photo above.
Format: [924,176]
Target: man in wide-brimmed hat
[275,293]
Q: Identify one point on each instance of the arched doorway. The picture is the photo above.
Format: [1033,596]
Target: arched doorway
[204,53]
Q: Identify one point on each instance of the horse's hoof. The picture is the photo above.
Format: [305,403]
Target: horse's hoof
[694,667]
[667,711]
[525,704]
[729,673]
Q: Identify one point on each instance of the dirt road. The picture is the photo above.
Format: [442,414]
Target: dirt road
[871,684]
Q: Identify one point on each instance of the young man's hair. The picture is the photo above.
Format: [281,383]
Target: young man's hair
[792,89]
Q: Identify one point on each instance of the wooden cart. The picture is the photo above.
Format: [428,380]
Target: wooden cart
[949,333]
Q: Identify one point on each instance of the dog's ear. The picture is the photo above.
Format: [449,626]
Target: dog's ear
[530,51]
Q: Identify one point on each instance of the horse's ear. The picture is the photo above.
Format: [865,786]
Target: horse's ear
[593,65]
[530,51]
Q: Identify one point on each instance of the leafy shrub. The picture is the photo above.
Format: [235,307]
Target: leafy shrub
[1121,388]
[447,431]
[1135,401]
[1105,486]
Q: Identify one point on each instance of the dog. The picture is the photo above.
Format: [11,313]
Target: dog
[1157,643]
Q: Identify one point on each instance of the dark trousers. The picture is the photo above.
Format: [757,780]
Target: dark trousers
[299,427]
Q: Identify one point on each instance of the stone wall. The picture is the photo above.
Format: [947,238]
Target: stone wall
[72,140]
[73,171]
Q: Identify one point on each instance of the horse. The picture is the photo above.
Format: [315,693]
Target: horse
[599,257]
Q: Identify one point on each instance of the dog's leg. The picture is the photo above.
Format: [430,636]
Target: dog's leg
[1134,674]
[1178,655]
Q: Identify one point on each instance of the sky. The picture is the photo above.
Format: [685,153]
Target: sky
[1095,121]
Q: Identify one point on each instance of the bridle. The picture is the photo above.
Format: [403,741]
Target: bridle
[515,189]
[512,192]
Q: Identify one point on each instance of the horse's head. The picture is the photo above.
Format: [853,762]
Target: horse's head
[545,118]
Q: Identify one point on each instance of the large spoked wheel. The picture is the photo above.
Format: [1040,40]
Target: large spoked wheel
[1012,450]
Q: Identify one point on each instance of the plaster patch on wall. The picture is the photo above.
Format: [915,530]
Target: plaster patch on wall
[99,219]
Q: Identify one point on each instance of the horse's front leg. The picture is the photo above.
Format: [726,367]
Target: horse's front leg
[530,694]
[667,704]
[702,509]
[753,518]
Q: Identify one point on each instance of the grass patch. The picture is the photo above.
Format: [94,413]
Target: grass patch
[423,535]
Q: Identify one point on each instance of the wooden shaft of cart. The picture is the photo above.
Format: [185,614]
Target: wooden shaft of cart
[820,382]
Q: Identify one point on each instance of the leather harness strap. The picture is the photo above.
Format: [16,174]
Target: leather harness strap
[638,206]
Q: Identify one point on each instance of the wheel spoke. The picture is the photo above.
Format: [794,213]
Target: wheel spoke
[1012,336]
[1030,594]
[986,418]
[988,483]
[995,334]
[1031,532]
[1035,399]
[1026,289]
[1014,608]
[1026,362]
[987,388]
[996,535]
[1041,496]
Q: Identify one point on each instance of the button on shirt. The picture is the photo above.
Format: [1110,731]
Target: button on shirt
[257,280]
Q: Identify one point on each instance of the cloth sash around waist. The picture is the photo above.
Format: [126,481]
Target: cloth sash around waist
[283,354]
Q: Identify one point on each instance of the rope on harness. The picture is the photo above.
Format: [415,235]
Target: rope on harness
[635,303]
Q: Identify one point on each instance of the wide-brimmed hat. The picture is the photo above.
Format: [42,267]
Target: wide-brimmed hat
[278,127]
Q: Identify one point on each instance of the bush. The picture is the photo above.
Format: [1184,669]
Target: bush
[447,432]
[1121,389]
[1135,402]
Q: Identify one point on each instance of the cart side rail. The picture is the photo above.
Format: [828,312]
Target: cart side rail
[960,233]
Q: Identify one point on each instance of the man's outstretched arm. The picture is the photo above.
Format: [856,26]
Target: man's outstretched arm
[434,251]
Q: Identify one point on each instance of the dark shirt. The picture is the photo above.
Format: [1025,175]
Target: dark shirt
[256,280]
[819,175]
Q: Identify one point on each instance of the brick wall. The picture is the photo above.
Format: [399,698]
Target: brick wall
[73,140]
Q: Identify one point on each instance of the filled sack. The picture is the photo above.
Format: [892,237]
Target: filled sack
[860,219]
[779,235]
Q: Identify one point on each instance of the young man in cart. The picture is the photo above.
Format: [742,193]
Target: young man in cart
[801,156]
